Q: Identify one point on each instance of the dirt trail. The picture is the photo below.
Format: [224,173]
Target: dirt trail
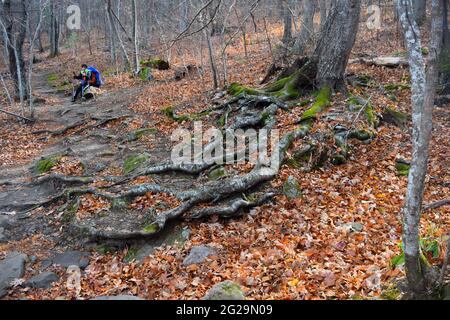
[77,131]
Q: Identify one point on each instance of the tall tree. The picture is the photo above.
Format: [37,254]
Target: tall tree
[336,42]
[306,28]
[287,21]
[420,11]
[16,28]
[136,62]
[54,30]
[444,62]
[423,94]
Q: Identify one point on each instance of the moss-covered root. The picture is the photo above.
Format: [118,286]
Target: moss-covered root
[46,164]
[236,89]
[322,102]
[395,117]
[371,116]
[132,163]
[287,88]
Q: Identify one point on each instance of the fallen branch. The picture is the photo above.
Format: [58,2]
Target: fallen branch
[436,205]
[390,62]
[16,115]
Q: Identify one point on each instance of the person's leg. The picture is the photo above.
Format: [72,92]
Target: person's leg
[77,92]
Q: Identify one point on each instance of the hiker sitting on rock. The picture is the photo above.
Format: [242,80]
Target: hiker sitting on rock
[89,76]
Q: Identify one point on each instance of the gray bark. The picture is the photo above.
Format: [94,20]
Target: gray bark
[16,33]
[420,11]
[336,42]
[306,28]
[135,38]
[423,93]
[54,30]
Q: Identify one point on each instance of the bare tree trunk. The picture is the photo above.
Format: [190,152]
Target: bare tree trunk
[15,46]
[323,13]
[420,11]
[211,58]
[112,39]
[336,42]
[287,21]
[31,59]
[135,38]
[444,61]
[5,39]
[423,93]
[306,28]
[117,36]
[54,30]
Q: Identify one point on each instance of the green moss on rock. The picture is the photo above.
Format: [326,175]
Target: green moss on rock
[396,87]
[156,63]
[170,113]
[226,290]
[132,163]
[396,117]
[218,173]
[46,164]
[402,168]
[236,89]
[151,228]
[371,116]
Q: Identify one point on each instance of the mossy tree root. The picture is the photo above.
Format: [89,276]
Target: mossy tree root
[224,189]
[287,88]
[232,208]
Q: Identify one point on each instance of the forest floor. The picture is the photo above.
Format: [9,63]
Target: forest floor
[336,241]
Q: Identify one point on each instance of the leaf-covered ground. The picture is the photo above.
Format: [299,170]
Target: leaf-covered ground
[289,249]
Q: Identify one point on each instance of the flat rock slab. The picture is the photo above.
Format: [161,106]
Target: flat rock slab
[43,280]
[199,255]
[11,268]
[114,298]
[72,258]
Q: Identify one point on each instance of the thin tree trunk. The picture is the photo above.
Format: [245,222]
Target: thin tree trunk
[211,58]
[15,46]
[117,36]
[112,39]
[135,38]
[423,93]
[31,59]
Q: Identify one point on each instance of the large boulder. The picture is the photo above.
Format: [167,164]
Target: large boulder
[11,268]
[43,280]
[227,290]
[198,255]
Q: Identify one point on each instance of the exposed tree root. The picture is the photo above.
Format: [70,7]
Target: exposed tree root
[100,122]
[226,197]
[232,208]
